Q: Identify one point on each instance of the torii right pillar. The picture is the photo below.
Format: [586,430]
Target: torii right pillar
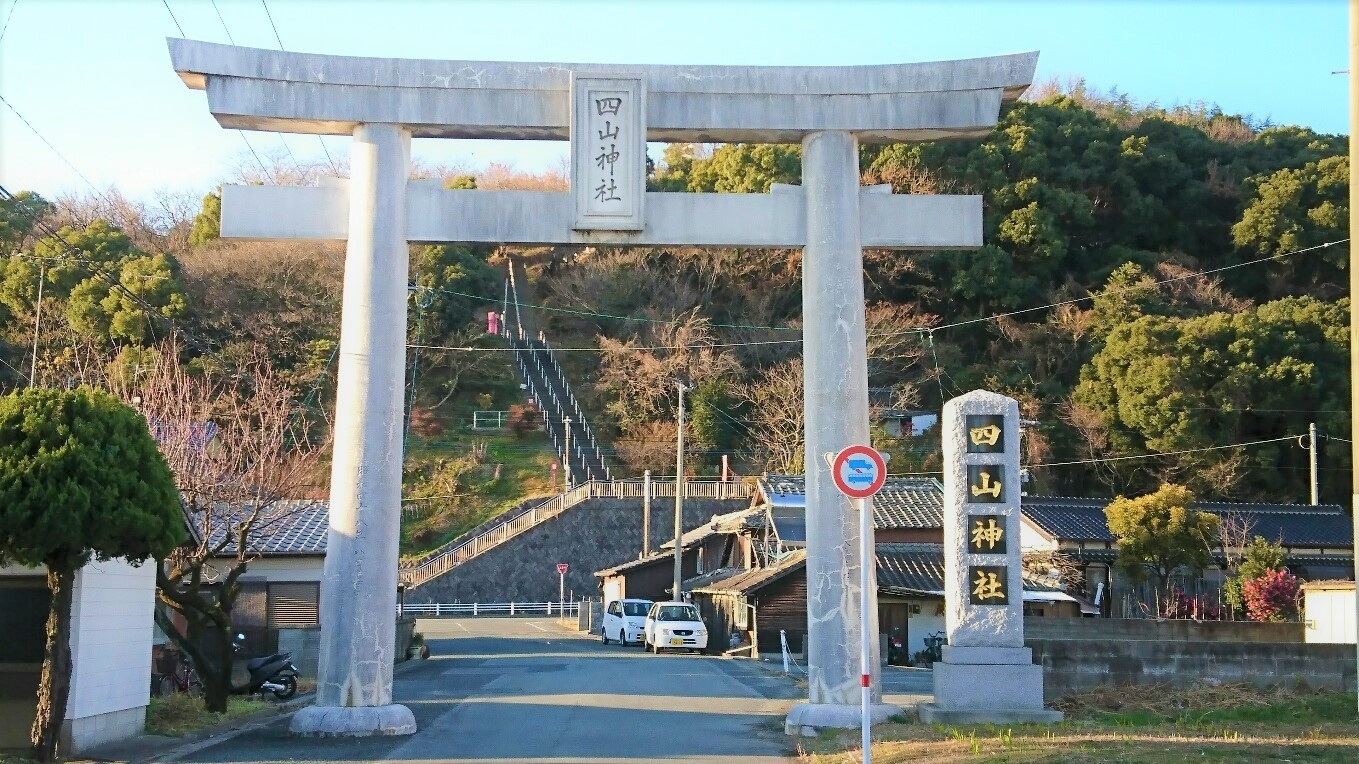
[835,364]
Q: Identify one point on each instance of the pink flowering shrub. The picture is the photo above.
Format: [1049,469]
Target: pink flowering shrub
[1271,597]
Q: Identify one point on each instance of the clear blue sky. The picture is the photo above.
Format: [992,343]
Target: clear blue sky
[94,77]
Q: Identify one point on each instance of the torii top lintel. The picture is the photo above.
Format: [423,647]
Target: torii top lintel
[256,89]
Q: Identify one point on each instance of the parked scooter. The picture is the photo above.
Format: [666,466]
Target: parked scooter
[271,673]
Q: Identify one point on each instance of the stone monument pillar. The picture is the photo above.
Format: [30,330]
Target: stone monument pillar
[358,587]
[987,674]
[836,411]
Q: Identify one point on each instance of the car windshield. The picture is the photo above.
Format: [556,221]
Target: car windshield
[678,613]
[635,608]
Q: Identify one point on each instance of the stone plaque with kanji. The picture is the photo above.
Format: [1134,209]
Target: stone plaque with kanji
[608,153]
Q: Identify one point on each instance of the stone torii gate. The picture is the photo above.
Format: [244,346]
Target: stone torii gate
[608,112]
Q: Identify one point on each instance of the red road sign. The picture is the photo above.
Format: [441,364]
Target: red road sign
[859,471]
[562,568]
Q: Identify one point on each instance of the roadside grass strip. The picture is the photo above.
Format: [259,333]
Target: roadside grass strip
[179,714]
[1143,725]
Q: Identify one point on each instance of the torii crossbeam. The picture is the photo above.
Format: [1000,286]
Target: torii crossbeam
[608,112]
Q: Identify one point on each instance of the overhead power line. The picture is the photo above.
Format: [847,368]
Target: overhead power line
[1165,453]
[1133,287]
[230,39]
[924,331]
[98,271]
[5,28]
[273,26]
[49,145]
[1125,458]
[172,18]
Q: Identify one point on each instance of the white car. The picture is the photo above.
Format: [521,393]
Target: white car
[623,620]
[676,625]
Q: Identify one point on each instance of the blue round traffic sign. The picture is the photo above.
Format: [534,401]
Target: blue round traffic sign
[859,471]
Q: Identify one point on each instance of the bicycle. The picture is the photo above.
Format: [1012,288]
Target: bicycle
[182,678]
[934,646]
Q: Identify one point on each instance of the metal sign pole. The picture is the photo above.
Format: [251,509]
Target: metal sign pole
[865,646]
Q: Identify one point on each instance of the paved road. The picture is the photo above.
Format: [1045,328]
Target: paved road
[522,690]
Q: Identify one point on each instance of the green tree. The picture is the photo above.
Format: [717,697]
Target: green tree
[748,168]
[1164,384]
[17,219]
[80,478]
[461,182]
[1258,558]
[1159,533]
[1291,209]
[207,225]
[85,265]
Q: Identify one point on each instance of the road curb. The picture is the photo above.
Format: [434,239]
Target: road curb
[166,750]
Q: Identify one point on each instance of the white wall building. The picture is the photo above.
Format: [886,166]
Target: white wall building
[111,629]
[1328,610]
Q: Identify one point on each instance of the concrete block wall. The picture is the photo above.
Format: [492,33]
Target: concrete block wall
[591,536]
[1076,664]
[1166,630]
[305,645]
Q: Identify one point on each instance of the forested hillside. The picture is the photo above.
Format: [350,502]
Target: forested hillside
[1087,304]
[1154,281]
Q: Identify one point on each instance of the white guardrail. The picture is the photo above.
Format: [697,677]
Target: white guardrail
[455,609]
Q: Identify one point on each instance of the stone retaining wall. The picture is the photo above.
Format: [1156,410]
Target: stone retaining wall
[593,535]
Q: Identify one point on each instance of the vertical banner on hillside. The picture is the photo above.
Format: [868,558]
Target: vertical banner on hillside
[608,153]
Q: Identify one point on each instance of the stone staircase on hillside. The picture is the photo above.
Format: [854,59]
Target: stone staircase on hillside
[420,570]
[573,439]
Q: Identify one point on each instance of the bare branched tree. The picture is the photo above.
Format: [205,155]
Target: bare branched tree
[245,456]
[776,408]
[895,338]
[1060,568]
[641,377]
[1234,532]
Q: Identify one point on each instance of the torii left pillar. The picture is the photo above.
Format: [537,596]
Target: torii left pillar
[358,589]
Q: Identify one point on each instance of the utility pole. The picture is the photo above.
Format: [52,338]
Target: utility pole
[646,513]
[1354,280]
[679,491]
[37,325]
[1312,448]
[566,452]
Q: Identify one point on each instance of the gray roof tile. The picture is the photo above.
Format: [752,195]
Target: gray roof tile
[289,527]
[902,502]
[1075,519]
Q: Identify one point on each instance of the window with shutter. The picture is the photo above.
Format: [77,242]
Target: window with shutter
[294,605]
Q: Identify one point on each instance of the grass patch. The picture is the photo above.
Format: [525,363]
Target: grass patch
[1147,725]
[461,481]
[179,714]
